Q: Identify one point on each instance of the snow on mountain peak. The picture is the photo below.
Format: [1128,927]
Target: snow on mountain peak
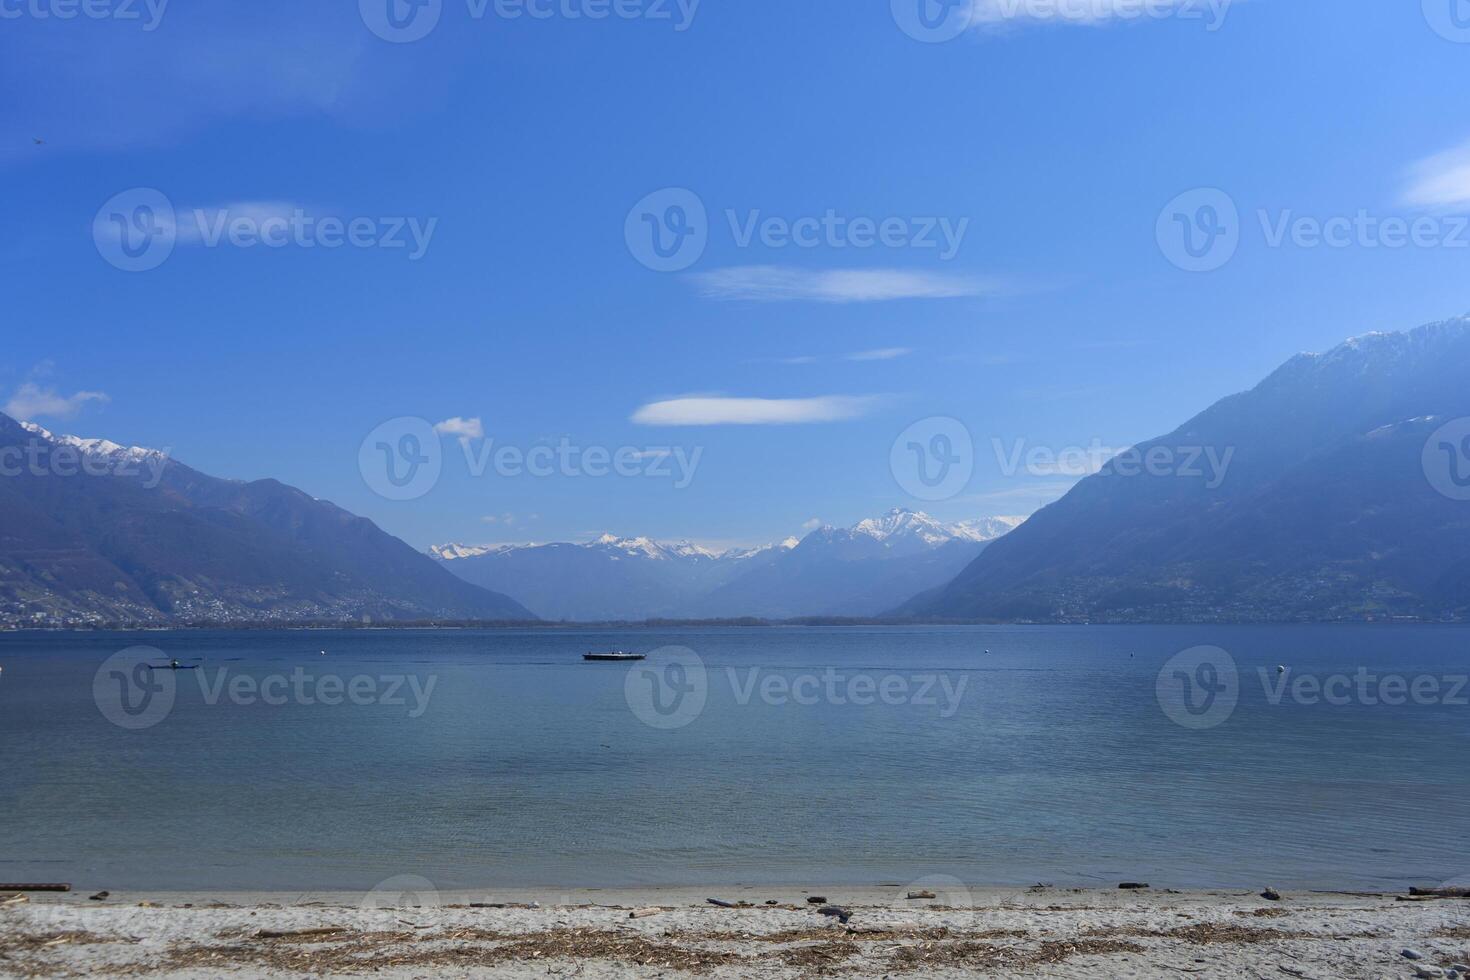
[987,528]
[688,549]
[95,447]
[641,547]
[901,524]
[454,552]
[897,525]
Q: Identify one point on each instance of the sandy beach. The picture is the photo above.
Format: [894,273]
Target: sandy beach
[675,932]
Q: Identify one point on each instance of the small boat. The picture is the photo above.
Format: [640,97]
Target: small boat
[173,665]
[617,656]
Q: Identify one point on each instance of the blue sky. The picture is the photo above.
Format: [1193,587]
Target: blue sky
[526,151]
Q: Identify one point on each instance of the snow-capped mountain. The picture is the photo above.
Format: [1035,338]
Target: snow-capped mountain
[97,448]
[836,571]
[143,539]
[450,552]
[987,528]
[857,571]
[616,547]
[900,526]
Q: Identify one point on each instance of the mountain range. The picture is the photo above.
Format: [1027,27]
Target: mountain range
[858,571]
[1338,501]
[1336,489]
[93,532]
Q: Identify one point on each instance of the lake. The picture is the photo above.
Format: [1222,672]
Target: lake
[316,759]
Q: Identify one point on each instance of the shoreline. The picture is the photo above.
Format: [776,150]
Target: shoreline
[695,624]
[948,894]
[675,932]
[616,896]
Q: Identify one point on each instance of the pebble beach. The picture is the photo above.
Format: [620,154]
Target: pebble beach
[753,932]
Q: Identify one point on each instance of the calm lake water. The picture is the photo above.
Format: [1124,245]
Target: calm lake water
[498,758]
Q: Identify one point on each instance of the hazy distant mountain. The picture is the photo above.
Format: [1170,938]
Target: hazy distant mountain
[606,579]
[858,571]
[1326,509]
[91,531]
[863,570]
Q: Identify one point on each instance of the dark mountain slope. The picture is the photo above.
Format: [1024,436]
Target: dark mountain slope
[118,544]
[1324,510]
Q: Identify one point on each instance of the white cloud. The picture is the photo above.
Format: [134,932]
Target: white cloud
[1073,461]
[197,226]
[881,354]
[221,223]
[995,13]
[31,401]
[770,283]
[812,524]
[465,429]
[716,410]
[1440,182]
[1039,492]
